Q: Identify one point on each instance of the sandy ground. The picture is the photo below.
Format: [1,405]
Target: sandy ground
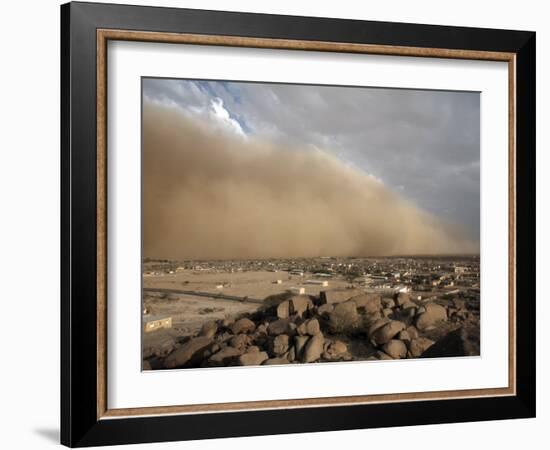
[254,284]
[189,312]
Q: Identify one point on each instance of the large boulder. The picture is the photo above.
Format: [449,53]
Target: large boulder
[283,310]
[280,344]
[461,342]
[240,341]
[434,314]
[368,303]
[338,295]
[252,358]
[344,318]
[412,332]
[388,332]
[313,327]
[402,298]
[313,349]
[403,335]
[335,351]
[280,326]
[377,324]
[189,353]
[224,357]
[243,325]
[395,348]
[418,346]
[300,304]
[209,329]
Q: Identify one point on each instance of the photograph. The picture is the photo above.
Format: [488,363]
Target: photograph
[289,222]
[292,223]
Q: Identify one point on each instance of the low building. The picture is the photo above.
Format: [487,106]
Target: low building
[154,323]
[323,283]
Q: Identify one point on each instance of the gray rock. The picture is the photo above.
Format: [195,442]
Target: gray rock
[189,353]
[419,345]
[240,341]
[434,314]
[280,326]
[300,304]
[377,324]
[209,329]
[368,303]
[412,332]
[344,318]
[252,358]
[313,349]
[388,331]
[395,348]
[280,344]
[313,327]
[301,328]
[243,325]
[335,351]
[402,298]
[338,295]
[261,329]
[403,336]
[283,310]
[225,356]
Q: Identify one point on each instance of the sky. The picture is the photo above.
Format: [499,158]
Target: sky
[423,145]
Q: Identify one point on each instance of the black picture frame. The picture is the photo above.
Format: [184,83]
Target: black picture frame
[80,425]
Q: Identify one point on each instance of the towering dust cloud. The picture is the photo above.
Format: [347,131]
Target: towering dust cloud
[209,194]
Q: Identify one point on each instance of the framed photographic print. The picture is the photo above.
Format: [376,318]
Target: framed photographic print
[277,224]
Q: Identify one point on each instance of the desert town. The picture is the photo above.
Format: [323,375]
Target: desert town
[199,314]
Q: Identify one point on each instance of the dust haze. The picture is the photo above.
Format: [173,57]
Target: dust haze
[210,194]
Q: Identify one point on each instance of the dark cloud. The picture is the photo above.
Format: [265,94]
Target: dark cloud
[210,193]
[423,145]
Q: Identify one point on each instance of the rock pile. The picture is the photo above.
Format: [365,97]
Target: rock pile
[306,329]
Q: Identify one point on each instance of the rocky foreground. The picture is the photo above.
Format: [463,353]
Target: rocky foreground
[338,325]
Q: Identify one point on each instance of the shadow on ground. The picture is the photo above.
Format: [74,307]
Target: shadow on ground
[50,434]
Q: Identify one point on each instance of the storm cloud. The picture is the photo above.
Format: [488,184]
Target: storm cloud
[214,189]
[424,145]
